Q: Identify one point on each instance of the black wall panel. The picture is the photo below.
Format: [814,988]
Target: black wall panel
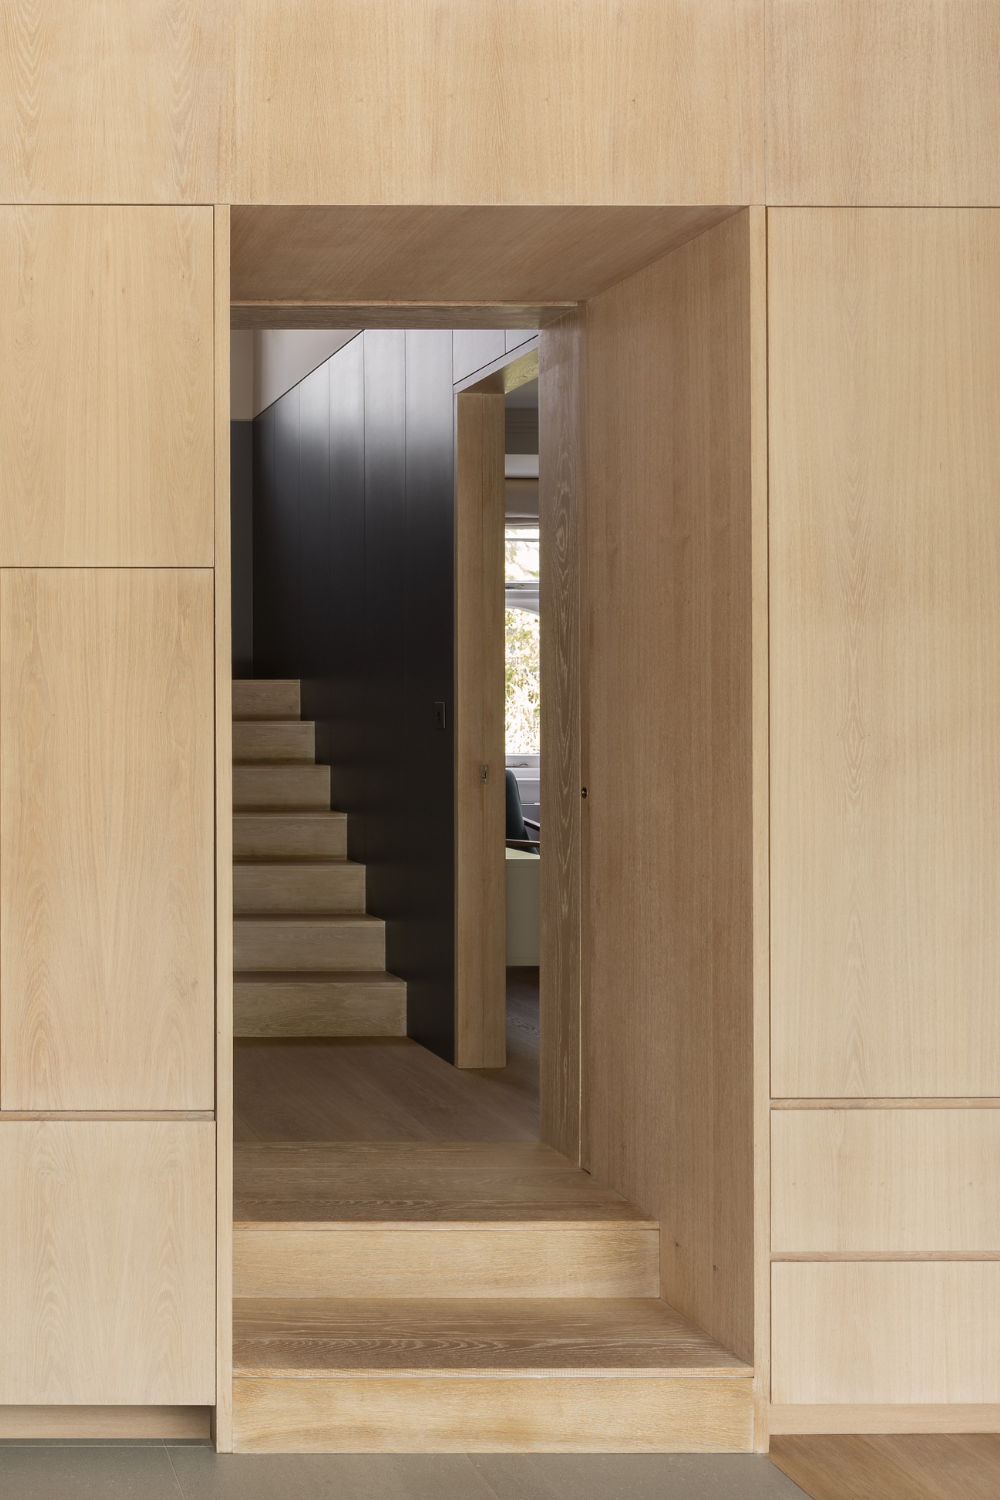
[353,594]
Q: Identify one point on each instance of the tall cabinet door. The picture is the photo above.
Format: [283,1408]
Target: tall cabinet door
[107,935]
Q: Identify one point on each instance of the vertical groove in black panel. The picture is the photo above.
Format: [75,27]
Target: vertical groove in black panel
[353,591]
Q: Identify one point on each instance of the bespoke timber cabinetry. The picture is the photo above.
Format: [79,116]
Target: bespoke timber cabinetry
[107,807]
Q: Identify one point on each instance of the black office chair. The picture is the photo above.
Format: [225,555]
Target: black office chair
[517,823]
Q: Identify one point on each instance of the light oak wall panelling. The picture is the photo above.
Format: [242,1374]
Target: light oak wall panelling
[458,256]
[888,103]
[222,1429]
[480,922]
[926,1417]
[761,814]
[114,103]
[668,1046]
[562,428]
[885,551]
[107,1240]
[900,1181]
[494,81]
[106,386]
[106,868]
[889,1333]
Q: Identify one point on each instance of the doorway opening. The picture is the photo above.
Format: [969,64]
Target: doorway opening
[417,1256]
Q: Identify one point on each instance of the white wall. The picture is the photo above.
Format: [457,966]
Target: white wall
[284,356]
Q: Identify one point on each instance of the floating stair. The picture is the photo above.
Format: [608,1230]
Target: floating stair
[488,1298]
[308,959]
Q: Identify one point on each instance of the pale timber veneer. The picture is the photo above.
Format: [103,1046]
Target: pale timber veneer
[107,1240]
[106,387]
[88,1423]
[884,339]
[106,866]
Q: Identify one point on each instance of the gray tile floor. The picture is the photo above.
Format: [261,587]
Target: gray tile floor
[192,1471]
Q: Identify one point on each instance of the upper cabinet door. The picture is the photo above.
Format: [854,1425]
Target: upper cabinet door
[884,528]
[106,839]
[106,387]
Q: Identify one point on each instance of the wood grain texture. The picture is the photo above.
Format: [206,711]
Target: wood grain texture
[899,1181]
[558,1414]
[562,386]
[292,786]
[300,886]
[373,1089]
[887,103]
[66,1423]
[360,1003]
[291,835]
[926,1417]
[761,815]
[496,80]
[266,698]
[271,741]
[106,866]
[669,938]
[482,1260]
[106,387]
[420,256]
[108,1248]
[885,547]
[403,1336]
[480,917]
[938,1467]
[222,1417]
[422,1182]
[300,944]
[888,1333]
[110,103]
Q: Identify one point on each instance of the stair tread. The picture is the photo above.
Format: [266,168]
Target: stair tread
[330,1336]
[310,919]
[294,861]
[318,976]
[509,1182]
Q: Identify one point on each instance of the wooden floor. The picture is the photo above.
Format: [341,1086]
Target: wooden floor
[419,1183]
[965,1467]
[389,1088]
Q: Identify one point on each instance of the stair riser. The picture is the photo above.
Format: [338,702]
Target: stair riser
[265,700]
[388,1261]
[319,1010]
[458,1414]
[290,838]
[298,889]
[270,742]
[282,786]
[270,946]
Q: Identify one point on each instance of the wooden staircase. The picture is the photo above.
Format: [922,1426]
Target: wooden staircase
[440,1297]
[309,961]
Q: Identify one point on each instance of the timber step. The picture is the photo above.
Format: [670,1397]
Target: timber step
[290,835]
[376,1219]
[265,698]
[295,943]
[300,887]
[361,1003]
[460,1374]
[283,785]
[274,740]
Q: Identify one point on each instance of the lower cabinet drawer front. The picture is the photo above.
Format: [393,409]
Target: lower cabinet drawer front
[107,1254]
[886,1332]
[895,1181]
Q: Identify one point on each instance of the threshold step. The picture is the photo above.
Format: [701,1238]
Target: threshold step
[363,1003]
[299,944]
[488,1375]
[281,786]
[298,886]
[290,835]
[433,1220]
[274,740]
[265,698]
